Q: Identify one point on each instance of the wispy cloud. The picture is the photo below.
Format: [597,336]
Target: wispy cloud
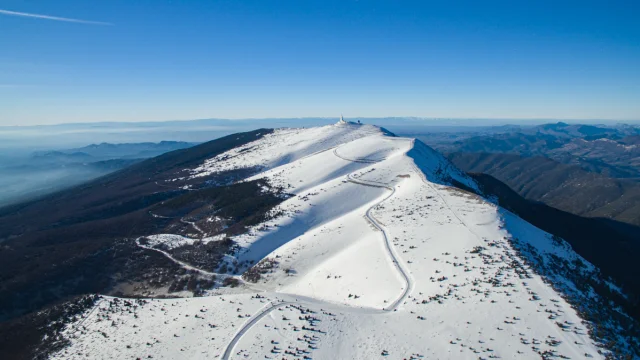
[47,17]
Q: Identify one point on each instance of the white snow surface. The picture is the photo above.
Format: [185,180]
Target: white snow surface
[172,241]
[383,260]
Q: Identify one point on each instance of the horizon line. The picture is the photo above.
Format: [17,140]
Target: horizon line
[542,120]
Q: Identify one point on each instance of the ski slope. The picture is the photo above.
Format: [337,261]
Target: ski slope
[378,257]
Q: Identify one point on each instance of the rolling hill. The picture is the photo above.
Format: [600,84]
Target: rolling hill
[565,187]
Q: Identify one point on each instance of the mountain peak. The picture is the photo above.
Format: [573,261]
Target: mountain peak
[342,121]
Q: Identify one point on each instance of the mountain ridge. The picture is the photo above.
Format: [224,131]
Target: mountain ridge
[341,247]
[566,187]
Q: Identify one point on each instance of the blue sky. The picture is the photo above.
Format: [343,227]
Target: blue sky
[167,60]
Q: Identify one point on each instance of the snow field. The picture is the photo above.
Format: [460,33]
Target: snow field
[189,328]
[449,285]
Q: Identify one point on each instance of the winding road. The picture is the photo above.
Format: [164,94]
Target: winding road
[247,326]
[399,265]
[181,263]
[404,273]
[364,161]
[219,276]
[193,225]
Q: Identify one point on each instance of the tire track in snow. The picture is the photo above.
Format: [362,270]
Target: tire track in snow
[76,327]
[423,177]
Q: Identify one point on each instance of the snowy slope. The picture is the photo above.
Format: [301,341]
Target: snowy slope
[377,257]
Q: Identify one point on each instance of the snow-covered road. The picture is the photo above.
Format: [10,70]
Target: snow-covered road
[404,273]
[168,256]
[226,355]
[389,246]
[193,225]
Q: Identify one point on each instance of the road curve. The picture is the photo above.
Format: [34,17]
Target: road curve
[246,327]
[404,273]
[193,225]
[189,267]
[226,355]
[181,263]
[365,161]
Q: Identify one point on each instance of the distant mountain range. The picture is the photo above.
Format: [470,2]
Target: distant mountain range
[113,151]
[565,187]
[611,151]
[586,170]
[46,171]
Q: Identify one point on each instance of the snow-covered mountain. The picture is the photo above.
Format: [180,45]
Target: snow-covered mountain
[372,254]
